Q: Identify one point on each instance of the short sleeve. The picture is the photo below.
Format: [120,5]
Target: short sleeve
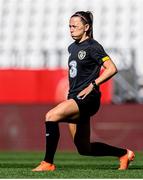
[69,49]
[98,53]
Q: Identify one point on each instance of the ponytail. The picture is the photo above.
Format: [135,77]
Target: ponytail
[91,25]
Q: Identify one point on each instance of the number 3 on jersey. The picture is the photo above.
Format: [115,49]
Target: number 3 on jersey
[73,68]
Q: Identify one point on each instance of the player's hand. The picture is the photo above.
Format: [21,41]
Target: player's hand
[85,91]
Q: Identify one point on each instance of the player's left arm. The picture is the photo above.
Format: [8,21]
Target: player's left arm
[109,70]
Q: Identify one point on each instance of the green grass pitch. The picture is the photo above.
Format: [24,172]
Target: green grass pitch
[15,165]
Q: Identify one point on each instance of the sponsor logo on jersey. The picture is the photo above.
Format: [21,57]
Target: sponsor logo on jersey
[81,54]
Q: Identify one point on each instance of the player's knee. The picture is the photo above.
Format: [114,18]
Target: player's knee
[82,150]
[52,116]
[81,146]
[49,116]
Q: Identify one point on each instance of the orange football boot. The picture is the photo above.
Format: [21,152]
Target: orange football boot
[44,166]
[126,159]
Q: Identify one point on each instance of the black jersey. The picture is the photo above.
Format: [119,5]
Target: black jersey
[85,61]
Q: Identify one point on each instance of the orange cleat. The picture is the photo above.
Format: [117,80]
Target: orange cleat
[126,159]
[44,166]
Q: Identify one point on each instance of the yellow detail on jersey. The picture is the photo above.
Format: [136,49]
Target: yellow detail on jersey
[105,58]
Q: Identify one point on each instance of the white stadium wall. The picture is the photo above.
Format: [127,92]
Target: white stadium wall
[35,33]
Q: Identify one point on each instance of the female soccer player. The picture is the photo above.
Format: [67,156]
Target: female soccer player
[86,57]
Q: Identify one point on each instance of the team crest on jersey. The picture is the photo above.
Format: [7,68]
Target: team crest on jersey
[81,54]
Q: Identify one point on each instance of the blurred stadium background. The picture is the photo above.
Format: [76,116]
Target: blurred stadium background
[34,36]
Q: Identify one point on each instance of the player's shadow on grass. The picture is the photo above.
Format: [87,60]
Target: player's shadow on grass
[70,166]
[17,165]
[101,167]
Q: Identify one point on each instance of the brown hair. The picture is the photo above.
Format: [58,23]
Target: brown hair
[86,18]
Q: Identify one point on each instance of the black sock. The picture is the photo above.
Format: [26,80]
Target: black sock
[52,138]
[102,149]
[87,148]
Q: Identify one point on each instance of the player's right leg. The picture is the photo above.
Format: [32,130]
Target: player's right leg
[63,111]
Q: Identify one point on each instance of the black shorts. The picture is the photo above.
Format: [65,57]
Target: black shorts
[89,105]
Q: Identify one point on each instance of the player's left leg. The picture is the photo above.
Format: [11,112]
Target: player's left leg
[81,135]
